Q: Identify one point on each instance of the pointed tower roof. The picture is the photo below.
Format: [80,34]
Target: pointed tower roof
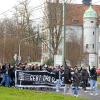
[90,12]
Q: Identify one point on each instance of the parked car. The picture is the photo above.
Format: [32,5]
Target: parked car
[98,71]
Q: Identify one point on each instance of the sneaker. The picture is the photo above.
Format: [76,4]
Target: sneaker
[77,95]
[74,95]
[57,90]
[91,93]
[96,94]
[85,91]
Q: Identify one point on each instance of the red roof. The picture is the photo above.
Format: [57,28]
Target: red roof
[75,13]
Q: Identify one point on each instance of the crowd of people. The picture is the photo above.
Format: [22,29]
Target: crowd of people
[7,71]
[73,76]
[83,77]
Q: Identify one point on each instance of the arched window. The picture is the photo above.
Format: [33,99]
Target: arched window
[93,33]
[86,45]
[92,21]
[93,46]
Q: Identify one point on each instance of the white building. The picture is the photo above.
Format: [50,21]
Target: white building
[75,24]
[90,36]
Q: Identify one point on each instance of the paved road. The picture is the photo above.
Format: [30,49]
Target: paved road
[86,94]
[90,97]
[81,94]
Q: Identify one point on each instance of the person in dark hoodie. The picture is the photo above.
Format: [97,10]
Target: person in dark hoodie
[67,78]
[93,80]
[84,78]
[75,82]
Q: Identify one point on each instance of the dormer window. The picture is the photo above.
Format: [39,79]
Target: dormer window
[93,33]
[75,21]
[93,46]
[92,21]
[86,46]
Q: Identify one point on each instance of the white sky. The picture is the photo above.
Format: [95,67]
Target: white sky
[8,4]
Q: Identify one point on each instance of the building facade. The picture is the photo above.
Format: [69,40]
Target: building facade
[74,24]
[90,36]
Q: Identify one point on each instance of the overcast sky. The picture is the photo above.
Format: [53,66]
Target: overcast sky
[8,4]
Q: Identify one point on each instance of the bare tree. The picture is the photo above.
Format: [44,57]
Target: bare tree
[74,49]
[23,17]
[25,28]
[54,24]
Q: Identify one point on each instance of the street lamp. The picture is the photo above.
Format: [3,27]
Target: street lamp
[19,51]
[63,34]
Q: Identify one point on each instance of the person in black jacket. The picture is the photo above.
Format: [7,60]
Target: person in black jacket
[57,76]
[93,80]
[5,79]
[75,82]
[67,78]
[11,73]
[84,78]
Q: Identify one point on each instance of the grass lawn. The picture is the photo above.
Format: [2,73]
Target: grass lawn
[99,82]
[18,94]
[98,79]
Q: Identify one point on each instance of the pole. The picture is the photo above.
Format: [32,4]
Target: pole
[63,35]
[63,46]
[19,50]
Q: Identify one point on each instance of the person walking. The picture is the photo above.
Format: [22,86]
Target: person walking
[67,78]
[75,83]
[93,81]
[84,78]
[5,79]
[57,73]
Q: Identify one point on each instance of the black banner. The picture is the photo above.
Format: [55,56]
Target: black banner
[34,78]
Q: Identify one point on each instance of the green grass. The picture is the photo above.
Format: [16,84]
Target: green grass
[98,79]
[18,94]
[99,82]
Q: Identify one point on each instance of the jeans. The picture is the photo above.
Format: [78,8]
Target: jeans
[84,84]
[75,90]
[6,79]
[93,85]
[57,85]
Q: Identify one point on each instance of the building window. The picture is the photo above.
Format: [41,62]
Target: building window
[99,60]
[86,46]
[92,21]
[75,21]
[93,33]
[93,46]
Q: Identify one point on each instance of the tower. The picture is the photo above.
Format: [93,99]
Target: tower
[90,36]
[87,2]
